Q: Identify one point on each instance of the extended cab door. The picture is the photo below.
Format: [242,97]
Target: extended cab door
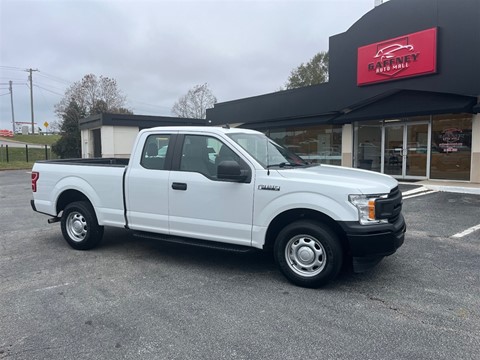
[201,205]
[146,183]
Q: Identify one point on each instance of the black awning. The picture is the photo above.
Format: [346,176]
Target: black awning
[476,109]
[290,122]
[405,103]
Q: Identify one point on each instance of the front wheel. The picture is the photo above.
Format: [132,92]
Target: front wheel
[309,254]
[80,226]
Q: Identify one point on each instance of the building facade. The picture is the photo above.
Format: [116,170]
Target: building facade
[403,96]
[113,135]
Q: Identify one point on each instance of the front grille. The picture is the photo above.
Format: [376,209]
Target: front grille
[389,208]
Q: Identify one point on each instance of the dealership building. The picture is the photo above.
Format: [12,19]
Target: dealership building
[403,96]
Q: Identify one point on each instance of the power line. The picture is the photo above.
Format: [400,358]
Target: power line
[11,68]
[54,78]
[50,86]
[40,87]
[9,78]
[5,94]
[13,83]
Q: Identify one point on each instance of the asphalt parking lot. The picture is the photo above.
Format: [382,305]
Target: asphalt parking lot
[142,299]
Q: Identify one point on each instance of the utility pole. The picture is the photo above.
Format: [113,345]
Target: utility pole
[11,101]
[31,97]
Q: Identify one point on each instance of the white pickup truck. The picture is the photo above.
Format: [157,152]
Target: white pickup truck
[227,188]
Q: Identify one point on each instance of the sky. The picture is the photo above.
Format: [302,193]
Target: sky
[157,50]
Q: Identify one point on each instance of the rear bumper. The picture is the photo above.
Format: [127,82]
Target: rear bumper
[34,208]
[369,244]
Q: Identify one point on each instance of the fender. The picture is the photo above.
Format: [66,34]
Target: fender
[78,184]
[263,216]
[307,200]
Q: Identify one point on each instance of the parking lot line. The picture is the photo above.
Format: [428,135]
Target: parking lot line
[417,192]
[466,232]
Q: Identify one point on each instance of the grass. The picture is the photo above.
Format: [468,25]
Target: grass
[17,157]
[16,165]
[34,139]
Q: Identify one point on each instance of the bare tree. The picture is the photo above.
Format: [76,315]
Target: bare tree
[195,103]
[93,95]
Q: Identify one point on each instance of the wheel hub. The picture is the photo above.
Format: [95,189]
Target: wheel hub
[306,255]
[77,226]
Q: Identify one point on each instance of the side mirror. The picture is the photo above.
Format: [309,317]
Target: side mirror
[231,170]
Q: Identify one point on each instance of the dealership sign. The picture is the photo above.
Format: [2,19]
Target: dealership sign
[406,56]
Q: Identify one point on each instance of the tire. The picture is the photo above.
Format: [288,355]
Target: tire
[80,226]
[309,254]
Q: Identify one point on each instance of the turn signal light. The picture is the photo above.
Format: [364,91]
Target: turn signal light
[371,209]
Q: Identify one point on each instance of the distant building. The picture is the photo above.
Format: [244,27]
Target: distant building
[24,127]
[113,135]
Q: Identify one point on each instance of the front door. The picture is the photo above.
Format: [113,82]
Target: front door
[203,206]
[406,150]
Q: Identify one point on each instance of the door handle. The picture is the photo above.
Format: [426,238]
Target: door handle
[179,186]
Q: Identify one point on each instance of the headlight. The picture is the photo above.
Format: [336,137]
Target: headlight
[365,205]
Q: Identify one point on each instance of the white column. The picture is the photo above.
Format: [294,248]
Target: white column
[475,164]
[347,145]
[108,141]
[84,142]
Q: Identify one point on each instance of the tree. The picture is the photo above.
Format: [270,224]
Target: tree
[69,145]
[86,97]
[94,95]
[195,103]
[313,72]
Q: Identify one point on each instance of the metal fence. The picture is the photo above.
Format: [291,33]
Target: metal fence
[27,153]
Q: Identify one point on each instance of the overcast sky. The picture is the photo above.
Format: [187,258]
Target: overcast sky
[157,50]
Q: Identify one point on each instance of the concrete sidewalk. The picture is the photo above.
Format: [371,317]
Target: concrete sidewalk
[448,186]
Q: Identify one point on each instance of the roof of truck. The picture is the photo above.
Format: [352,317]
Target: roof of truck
[199,129]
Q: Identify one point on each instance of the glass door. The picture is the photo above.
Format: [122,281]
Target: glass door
[406,150]
[416,150]
[393,150]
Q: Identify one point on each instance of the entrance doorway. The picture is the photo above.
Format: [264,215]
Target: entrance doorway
[97,143]
[406,150]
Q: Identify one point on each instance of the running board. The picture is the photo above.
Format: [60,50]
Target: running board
[193,242]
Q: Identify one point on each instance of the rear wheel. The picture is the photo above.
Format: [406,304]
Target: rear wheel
[80,226]
[309,254]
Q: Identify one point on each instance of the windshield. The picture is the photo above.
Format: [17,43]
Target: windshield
[266,151]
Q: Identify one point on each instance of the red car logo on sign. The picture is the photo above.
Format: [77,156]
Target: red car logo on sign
[389,51]
[405,56]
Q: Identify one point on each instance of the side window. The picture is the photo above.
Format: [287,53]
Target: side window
[202,154]
[155,151]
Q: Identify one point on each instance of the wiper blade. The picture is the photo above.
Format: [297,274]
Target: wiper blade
[280,165]
[284,164]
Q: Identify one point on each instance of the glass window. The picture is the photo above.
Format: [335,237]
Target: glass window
[316,144]
[451,147]
[368,140]
[195,156]
[155,152]
[267,152]
[203,154]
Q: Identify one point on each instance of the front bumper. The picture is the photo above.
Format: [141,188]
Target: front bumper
[370,243]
